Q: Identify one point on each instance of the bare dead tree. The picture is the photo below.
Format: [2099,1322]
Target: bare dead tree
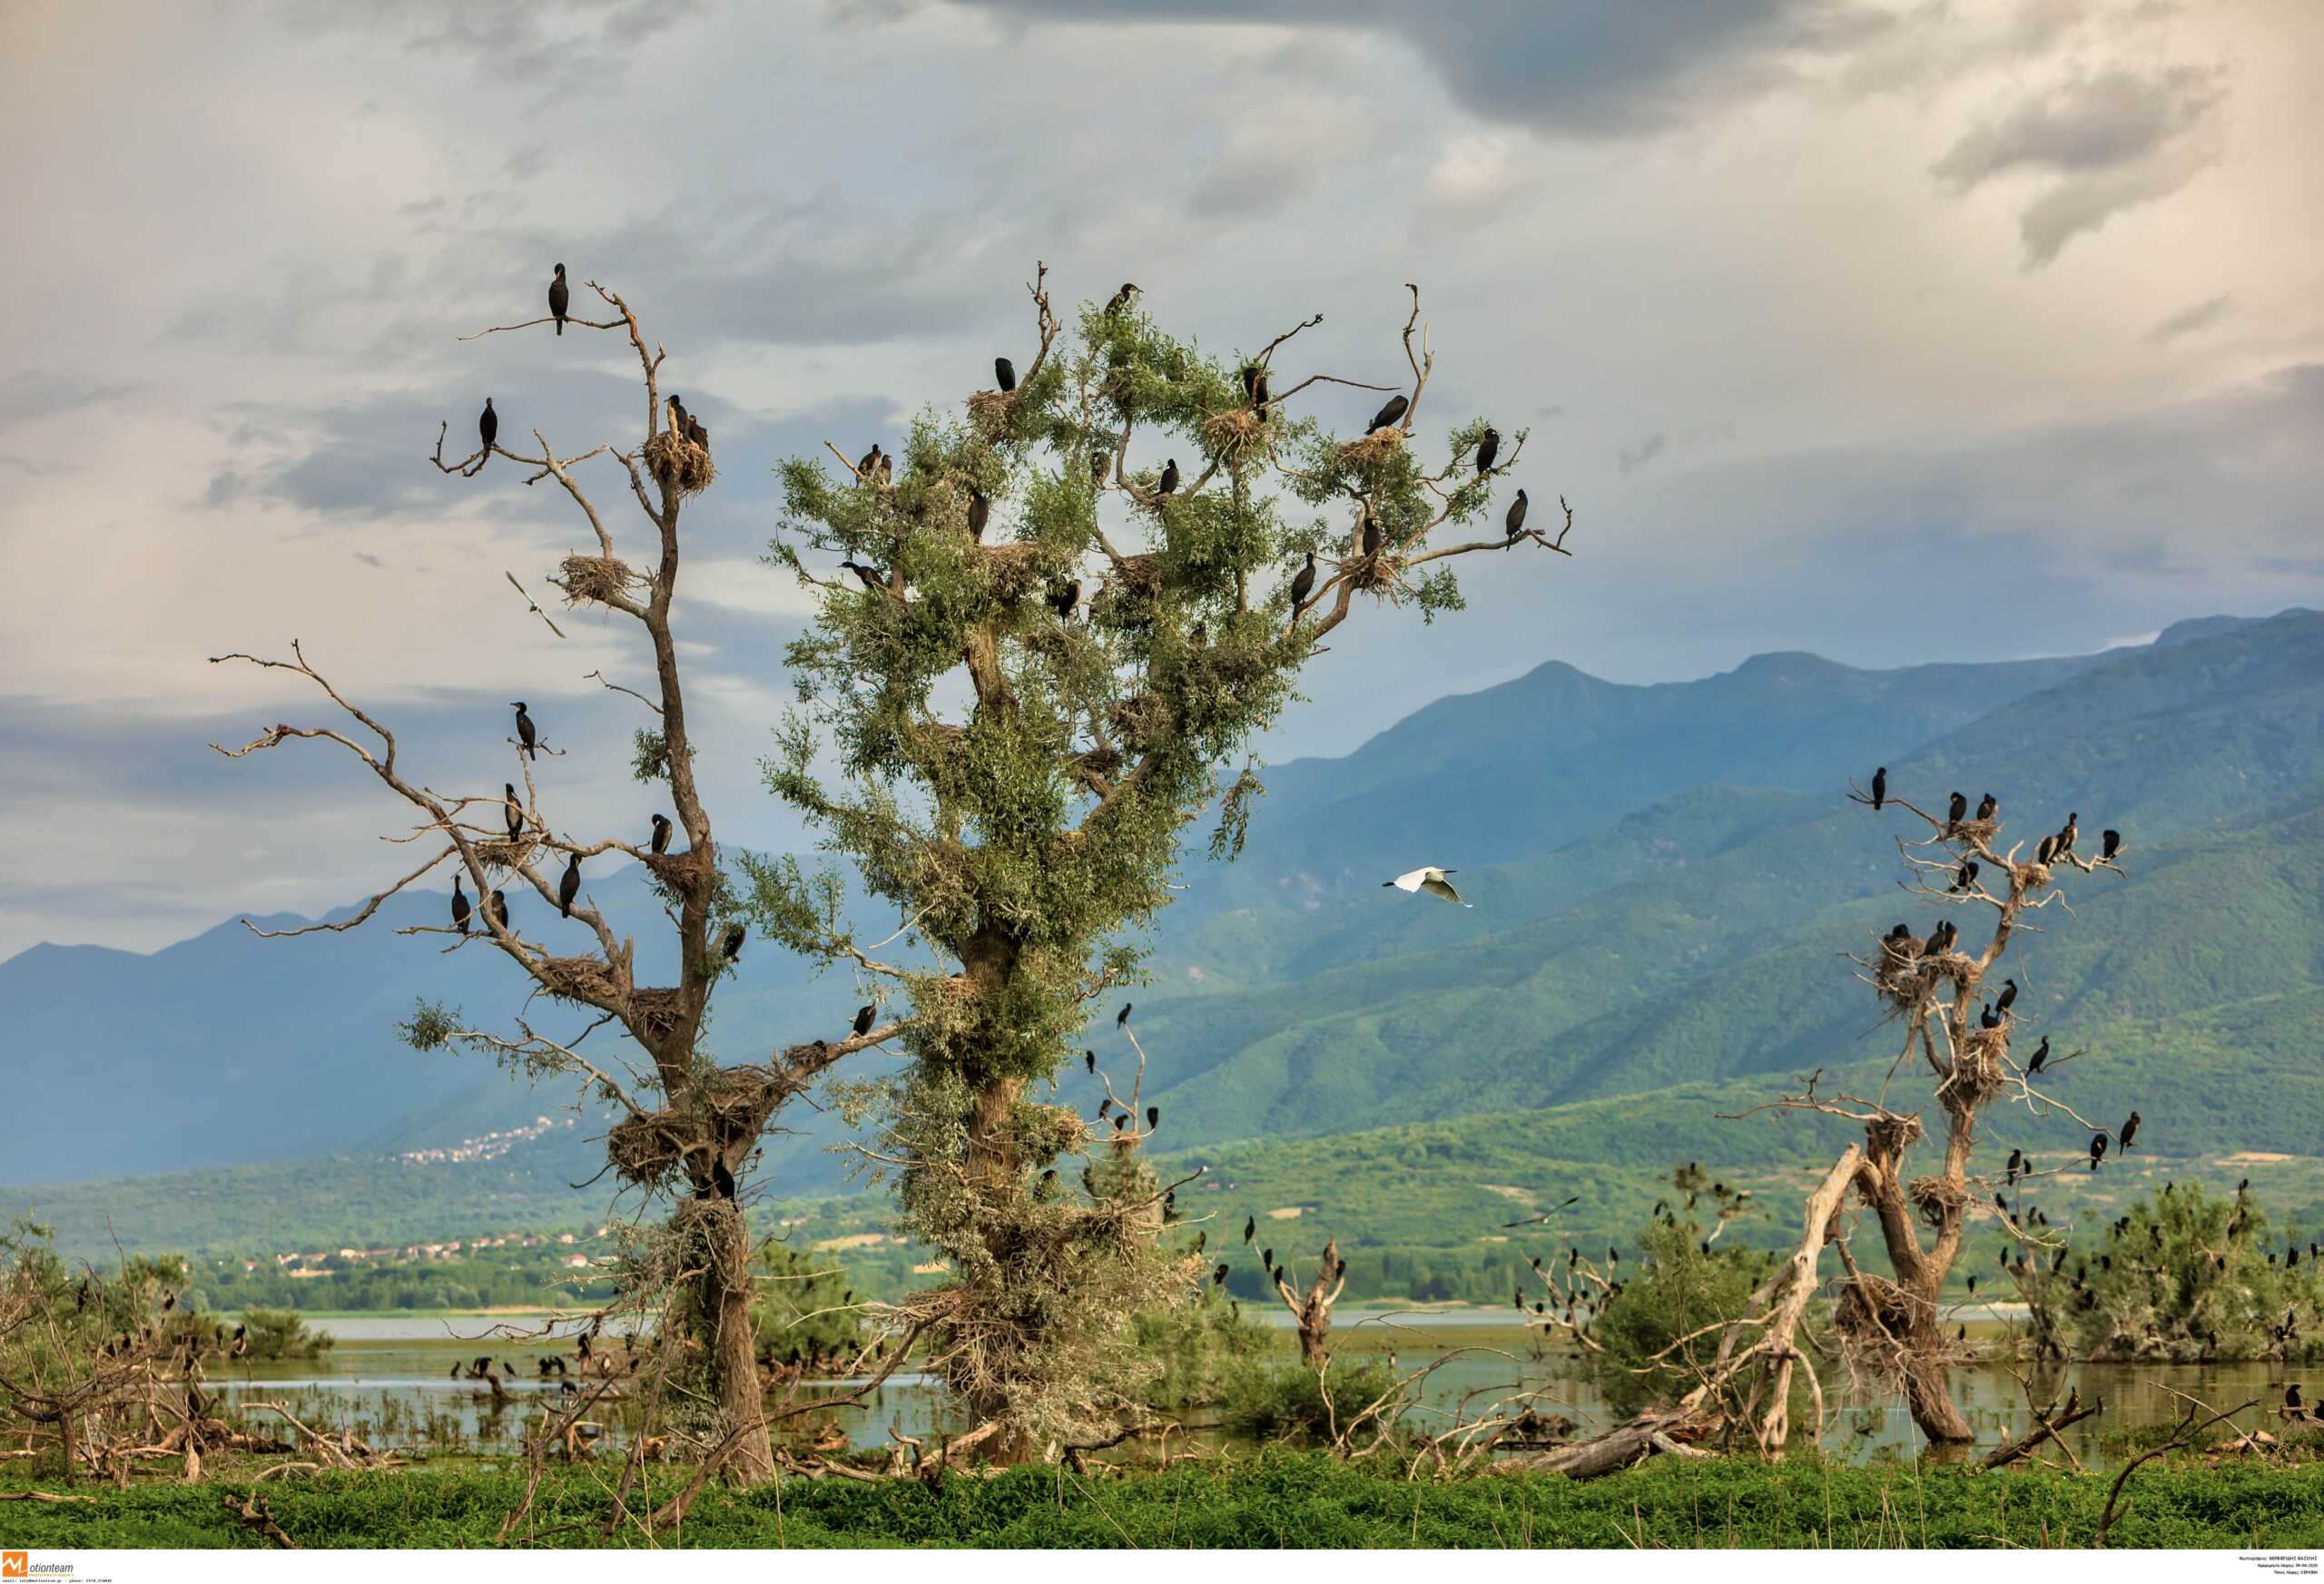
[1935,987]
[689,1123]
[1311,1307]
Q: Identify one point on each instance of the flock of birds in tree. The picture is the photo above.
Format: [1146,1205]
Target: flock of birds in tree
[1996,1013]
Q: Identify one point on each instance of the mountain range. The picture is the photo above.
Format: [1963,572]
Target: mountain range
[1665,881]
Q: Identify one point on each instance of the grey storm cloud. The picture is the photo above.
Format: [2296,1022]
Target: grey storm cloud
[2187,321]
[1580,69]
[2108,140]
[548,49]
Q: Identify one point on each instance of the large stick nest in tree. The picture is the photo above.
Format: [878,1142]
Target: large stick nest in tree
[1935,1197]
[1888,1137]
[1977,1074]
[1015,569]
[1974,831]
[990,411]
[679,463]
[1896,971]
[1381,442]
[1874,1312]
[656,1010]
[675,869]
[727,1109]
[584,979]
[500,854]
[1228,435]
[596,578]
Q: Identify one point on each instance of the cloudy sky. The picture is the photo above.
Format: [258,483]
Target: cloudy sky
[1897,329]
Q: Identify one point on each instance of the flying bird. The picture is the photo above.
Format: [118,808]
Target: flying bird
[661,833]
[864,1019]
[487,428]
[459,905]
[569,887]
[1169,480]
[1879,788]
[528,742]
[1303,584]
[1430,881]
[1538,1220]
[1515,521]
[1387,415]
[560,295]
[1004,375]
[1487,449]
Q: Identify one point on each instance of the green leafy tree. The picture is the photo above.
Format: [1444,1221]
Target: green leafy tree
[2189,1276]
[1036,666]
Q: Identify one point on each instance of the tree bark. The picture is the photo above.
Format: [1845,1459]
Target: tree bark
[1928,1391]
[733,1348]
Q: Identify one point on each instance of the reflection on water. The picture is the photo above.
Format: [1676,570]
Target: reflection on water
[389,1380]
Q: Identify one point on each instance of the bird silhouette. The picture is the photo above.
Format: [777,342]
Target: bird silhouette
[2110,843]
[1879,788]
[1303,584]
[661,833]
[1487,449]
[516,811]
[2066,837]
[488,429]
[1250,1227]
[2040,1056]
[2008,996]
[1169,479]
[1955,812]
[528,739]
[2097,1149]
[2130,1130]
[1121,299]
[1395,409]
[1004,375]
[1121,1018]
[1964,877]
[569,887]
[560,296]
[1985,807]
[1153,1117]
[499,909]
[864,1019]
[1515,521]
[733,943]
[980,509]
[459,905]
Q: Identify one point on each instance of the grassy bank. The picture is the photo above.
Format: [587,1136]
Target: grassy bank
[1276,1499]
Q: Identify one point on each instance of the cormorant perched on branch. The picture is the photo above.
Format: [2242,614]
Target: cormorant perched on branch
[1092,1057]
[1964,877]
[870,578]
[528,742]
[488,429]
[678,418]
[2008,996]
[870,463]
[2097,1149]
[1487,449]
[1879,788]
[1004,375]
[2016,1165]
[697,434]
[1250,1227]
[1121,1018]
[1218,1276]
[1989,1018]
[516,812]
[1153,1117]
[1121,299]
[569,887]
[2130,1130]
[1303,584]
[1099,462]
[661,833]
[2046,851]
[2066,837]
[560,296]
[734,944]
[2040,1057]
[979,510]
[1955,812]
[1064,599]
[1169,480]
[2110,843]
[1515,521]
[1985,807]
[459,905]
[1387,415]
[499,908]
[864,1018]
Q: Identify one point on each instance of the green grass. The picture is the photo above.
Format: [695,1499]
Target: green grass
[1271,1500]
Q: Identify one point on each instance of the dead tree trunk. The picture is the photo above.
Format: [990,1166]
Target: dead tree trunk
[1311,1310]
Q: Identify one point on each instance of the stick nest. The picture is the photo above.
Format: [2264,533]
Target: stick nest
[1873,1311]
[1897,973]
[675,869]
[1935,1198]
[501,854]
[1977,1073]
[728,1109]
[596,578]
[990,410]
[1888,1137]
[1974,831]
[679,463]
[1379,443]
[587,981]
[1228,435]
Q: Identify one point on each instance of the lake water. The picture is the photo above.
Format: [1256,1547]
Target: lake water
[389,1378]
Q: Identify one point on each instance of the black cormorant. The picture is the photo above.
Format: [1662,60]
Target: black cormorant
[1169,480]
[661,833]
[1218,1276]
[2040,1057]
[979,510]
[1091,1056]
[870,462]
[1372,535]
[560,296]
[2110,843]
[1964,877]
[1989,1018]
[488,429]
[1250,1227]
[2008,996]
[2097,1149]
[1487,449]
[733,943]
[2066,837]
[1153,1117]
[459,905]
[516,812]
[499,908]
[1388,414]
[2130,1130]
[1985,807]
[1064,599]
[1303,582]
[678,418]
[870,578]
[2046,851]
[2016,1165]
[1121,1018]
[1004,375]
[569,887]
[1879,788]
[1955,812]
[528,742]
[864,1017]
[1099,462]
[1515,521]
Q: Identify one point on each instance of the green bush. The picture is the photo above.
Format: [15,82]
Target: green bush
[279,1334]
[2187,1275]
[1266,1398]
[1677,1288]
